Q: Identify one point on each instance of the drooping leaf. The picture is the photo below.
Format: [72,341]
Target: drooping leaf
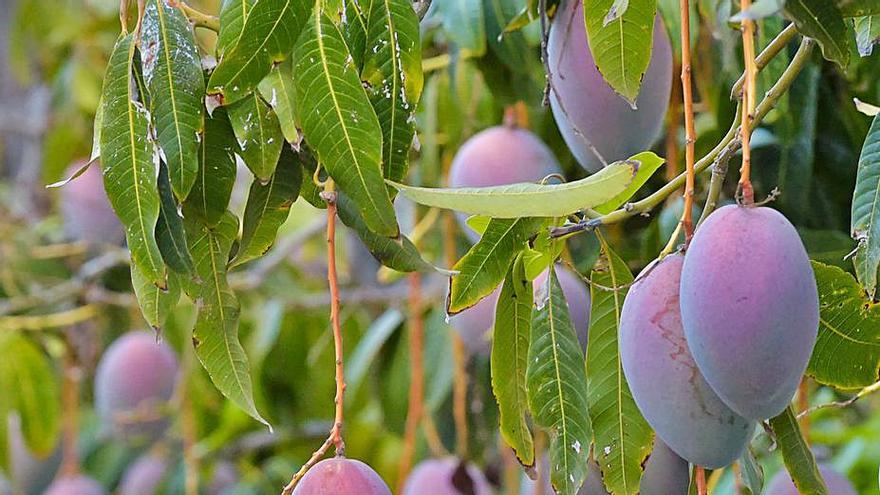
[823,21]
[270,30]
[509,359]
[798,457]
[648,163]
[170,234]
[31,389]
[623,437]
[621,48]
[127,156]
[267,208]
[155,304]
[258,133]
[463,22]
[867,33]
[233,14]
[277,89]
[865,226]
[557,388]
[393,75]
[527,199]
[486,263]
[215,335]
[216,176]
[173,75]
[847,351]
[338,122]
[398,254]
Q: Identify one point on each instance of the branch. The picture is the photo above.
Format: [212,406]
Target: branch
[199,18]
[870,389]
[770,51]
[728,143]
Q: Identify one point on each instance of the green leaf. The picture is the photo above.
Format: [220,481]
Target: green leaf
[31,388]
[623,437]
[170,234]
[847,351]
[215,336]
[798,457]
[867,34]
[233,14]
[512,48]
[527,199]
[258,133]
[155,304]
[269,33]
[367,350]
[398,254]
[338,122]
[858,8]
[277,89]
[752,472]
[647,164]
[173,75]
[463,22]
[865,226]
[823,21]
[798,135]
[213,188]
[510,352]
[486,263]
[393,75]
[127,158]
[355,29]
[621,48]
[267,208]
[96,131]
[557,388]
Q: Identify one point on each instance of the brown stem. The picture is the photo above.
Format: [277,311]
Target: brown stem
[417,378]
[672,122]
[335,438]
[199,18]
[748,109]
[690,133]
[700,474]
[804,405]
[188,429]
[459,396]
[70,402]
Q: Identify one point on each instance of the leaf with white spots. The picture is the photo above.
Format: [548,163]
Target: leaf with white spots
[258,134]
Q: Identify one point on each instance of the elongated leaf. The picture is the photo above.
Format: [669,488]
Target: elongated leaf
[847,351]
[865,223]
[623,437]
[463,22]
[510,353]
[797,455]
[173,75]
[277,89]
[752,472]
[215,336]
[512,48]
[355,29]
[398,254]
[233,14]
[823,21]
[621,48]
[867,34]
[526,199]
[127,156]
[557,388]
[170,234]
[258,133]
[858,8]
[393,73]
[267,208]
[213,188]
[268,35]
[648,163]
[338,122]
[155,304]
[486,263]
[30,388]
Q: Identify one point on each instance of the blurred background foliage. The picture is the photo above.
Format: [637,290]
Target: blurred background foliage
[51,68]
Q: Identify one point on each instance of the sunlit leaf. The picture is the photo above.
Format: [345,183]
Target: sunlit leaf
[277,89]
[865,226]
[216,176]
[527,199]
[867,34]
[173,75]
[338,122]
[155,304]
[233,14]
[648,163]
[127,156]
[798,457]
[258,133]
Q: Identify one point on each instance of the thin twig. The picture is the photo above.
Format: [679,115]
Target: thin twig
[690,132]
[769,53]
[54,320]
[716,183]
[748,109]
[199,18]
[72,375]
[545,57]
[870,389]
[417,378]
[700,474]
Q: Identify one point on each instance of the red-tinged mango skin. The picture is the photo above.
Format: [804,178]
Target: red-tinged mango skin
[435,476]
[144,476]
[75,485]
[665,472]
[663,377]
[341,476]
[498,156]
[837,484]
[750,308]
[474,324]
[587,110]
[86,210]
